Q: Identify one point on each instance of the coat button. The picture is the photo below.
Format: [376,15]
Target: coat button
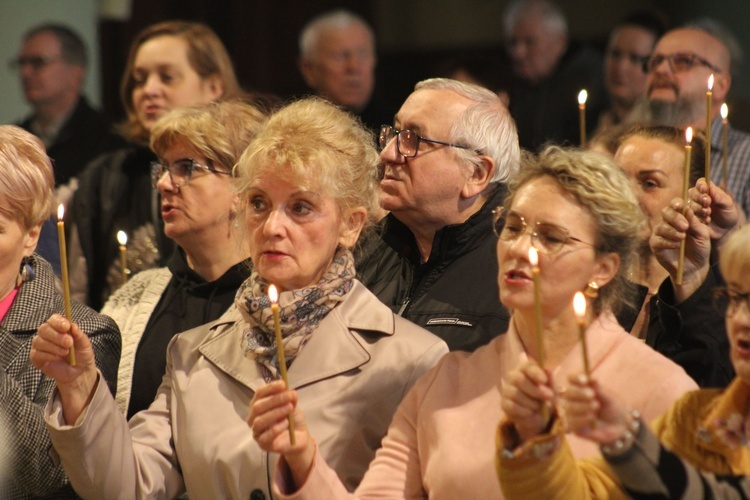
[257,495]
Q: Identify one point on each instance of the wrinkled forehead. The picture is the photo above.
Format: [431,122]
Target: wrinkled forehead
[431,110]
[697,42]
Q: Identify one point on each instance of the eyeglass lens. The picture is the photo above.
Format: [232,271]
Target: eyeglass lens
[547,238]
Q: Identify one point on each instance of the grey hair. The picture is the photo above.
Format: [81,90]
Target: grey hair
[724,35]
[72,48]
[486,127]
[335,19]
[549,13]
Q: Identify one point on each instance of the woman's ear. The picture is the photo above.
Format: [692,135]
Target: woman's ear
[351,225]
[215,87]
[606,268]
[31,239]
[479,177]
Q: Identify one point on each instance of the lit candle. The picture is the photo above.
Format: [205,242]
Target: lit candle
[274,298]
[122,238]
[582,96]
[579,306]
[709,94]
[534,261]
[724,132]
[64,271]
[685,184]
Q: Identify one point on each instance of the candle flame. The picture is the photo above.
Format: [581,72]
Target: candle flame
[582,96]
[60,211]
[711,82]
[689,135]
[273,295]
[724,111]
[122,238]
[579,305]
[533,257]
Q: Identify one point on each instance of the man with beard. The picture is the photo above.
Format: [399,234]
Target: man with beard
[432,260]
[678,73]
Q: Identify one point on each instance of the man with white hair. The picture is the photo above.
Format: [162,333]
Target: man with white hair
[337,61]
[446,158]
[549,71]
[678,73]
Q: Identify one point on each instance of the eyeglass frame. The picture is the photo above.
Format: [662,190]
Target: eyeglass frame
[670,61]
[733,300]
[397,136]
[500,213]
[37,63]
[158,169]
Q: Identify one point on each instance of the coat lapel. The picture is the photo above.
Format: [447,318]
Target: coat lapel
[333,348]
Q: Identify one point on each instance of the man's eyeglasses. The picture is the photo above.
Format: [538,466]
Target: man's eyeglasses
[36,62]
[679,62]
[407,142]
[547,238]
[728,300]
[180,172]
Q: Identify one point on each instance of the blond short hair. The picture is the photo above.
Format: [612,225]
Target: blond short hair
[734,260]
[318,146]
[219,131]
[604,191]
[27,180]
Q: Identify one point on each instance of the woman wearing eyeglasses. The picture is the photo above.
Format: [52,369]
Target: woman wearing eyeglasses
[706,428]
[577,209]
[197,148]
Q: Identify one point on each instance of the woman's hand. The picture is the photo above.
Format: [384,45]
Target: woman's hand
[716,208]
[525,392]
[269,419]
[593,414]
[678,224]
[49,353]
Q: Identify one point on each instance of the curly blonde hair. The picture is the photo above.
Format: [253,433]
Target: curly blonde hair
[219,131]
[734,260]
[604,191]
[319,147]
[27,181]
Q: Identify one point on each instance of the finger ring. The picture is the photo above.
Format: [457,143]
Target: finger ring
[256,434]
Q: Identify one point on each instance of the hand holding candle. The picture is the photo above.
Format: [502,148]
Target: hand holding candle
[709,95]
[64,272]
[685,185]
[122,239]
[579,306]
[582,97]
[274,298]
[724,132]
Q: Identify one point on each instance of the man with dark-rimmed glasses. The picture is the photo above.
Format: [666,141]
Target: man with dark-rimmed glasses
[446,157]
[678,73]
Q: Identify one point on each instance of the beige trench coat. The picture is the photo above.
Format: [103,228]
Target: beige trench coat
[351,376]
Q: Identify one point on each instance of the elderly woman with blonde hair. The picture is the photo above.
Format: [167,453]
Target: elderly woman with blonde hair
[28,297]
[307,184]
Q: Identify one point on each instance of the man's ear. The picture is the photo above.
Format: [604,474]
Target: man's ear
[722,83]
[307,68]
[479,177]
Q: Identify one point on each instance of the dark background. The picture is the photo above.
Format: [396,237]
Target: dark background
[413,36]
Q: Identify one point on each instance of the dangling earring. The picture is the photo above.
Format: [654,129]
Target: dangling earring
[27,272]
[592,290]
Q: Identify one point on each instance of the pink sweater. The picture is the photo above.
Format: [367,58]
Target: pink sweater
[441,442]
